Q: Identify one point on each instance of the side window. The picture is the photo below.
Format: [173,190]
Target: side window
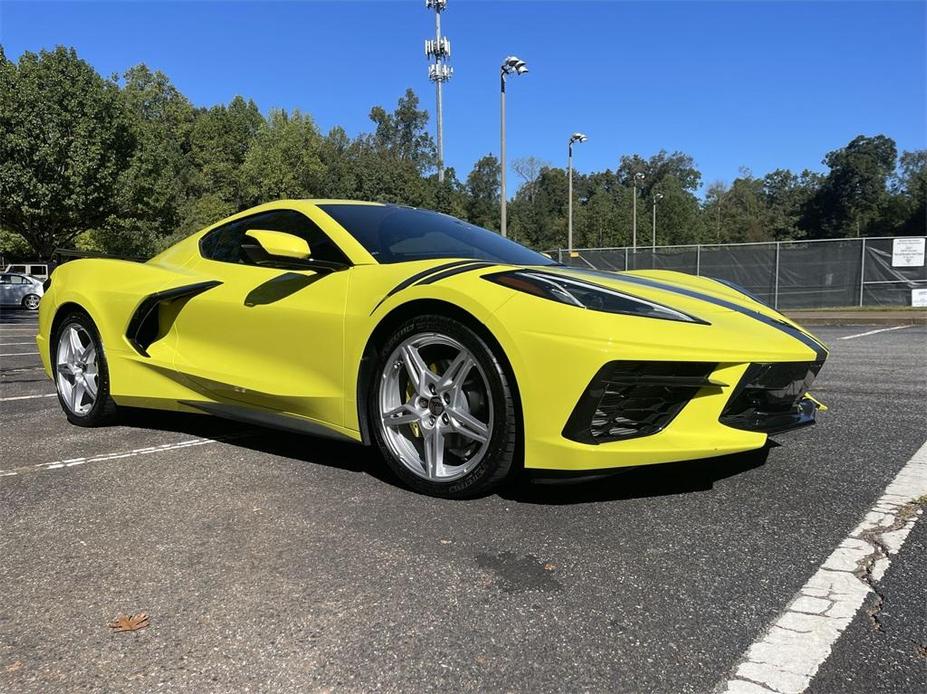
[17,268]
[224,243]
[12,279]
[6,279]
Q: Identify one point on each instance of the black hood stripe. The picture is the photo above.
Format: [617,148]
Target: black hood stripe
[409,281]
[802,337]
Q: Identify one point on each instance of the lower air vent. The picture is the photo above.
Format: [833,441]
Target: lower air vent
[770,398]
[629,399]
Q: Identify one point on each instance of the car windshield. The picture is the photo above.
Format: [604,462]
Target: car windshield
[395,234]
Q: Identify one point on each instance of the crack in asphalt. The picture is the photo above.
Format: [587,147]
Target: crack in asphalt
[787,656]
[866,567]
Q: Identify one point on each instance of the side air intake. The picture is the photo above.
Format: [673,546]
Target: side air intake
[630,399]
[145,324]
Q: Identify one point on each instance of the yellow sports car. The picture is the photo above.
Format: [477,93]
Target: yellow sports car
[458,353]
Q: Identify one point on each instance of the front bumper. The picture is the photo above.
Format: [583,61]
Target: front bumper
[555,365]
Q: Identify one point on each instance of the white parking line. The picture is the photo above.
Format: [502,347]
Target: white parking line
[11,344]
[787,656]
[72,462]
[4,372]
[18,354]
[873,332]
[29,397]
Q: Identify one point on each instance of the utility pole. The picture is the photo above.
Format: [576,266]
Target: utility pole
[575,137]
[510,66]
[439,49]
[638,179]
[656,198]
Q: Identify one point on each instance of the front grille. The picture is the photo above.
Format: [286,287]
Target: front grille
[630,399]
[769,397]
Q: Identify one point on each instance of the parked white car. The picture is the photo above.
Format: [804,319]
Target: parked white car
[20,290]
[39,270]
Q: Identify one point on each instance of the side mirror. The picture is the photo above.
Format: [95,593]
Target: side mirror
[278,244]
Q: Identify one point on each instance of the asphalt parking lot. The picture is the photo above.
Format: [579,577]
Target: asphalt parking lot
[274,562]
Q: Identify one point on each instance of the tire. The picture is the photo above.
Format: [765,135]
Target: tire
[460,404]
[85,409]
[31,302]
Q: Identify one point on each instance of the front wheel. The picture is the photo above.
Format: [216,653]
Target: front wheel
[442,409]
[81,373]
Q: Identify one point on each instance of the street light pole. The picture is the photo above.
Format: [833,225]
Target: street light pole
[509,66]
[575,137]
[638,178]
[439,72]
[656,198]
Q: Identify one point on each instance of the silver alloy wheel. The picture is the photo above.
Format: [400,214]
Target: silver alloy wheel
[77,369]
[31,301]
[433,400]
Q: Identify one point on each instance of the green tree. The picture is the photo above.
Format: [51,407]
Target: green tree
[65,138]
[482,187]
[154,187]
[219,142]
[284,160]
[854,191]
[402,134]
[785,196]
[679,165]
[911,193]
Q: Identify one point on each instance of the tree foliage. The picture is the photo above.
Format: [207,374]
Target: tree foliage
[129,165]
[65,141]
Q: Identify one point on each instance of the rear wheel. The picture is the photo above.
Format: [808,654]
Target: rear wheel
[442,409]
[31,301]
[81,374]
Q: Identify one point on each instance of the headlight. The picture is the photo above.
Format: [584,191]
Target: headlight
[567,290]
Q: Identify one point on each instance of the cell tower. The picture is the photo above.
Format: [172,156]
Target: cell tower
[438,49]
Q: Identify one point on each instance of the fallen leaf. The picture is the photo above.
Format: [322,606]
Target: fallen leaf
[130,623]
[13,667]
[550,566]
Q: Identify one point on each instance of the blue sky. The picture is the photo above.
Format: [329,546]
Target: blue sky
[754,84]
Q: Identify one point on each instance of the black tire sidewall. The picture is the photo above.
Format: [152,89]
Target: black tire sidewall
[103,407]
[497,461]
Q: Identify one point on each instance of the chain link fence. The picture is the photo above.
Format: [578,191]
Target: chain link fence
[824,273]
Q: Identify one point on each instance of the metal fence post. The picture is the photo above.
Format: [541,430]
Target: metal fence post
[626,259]
[776,290]
[698,260]
[862,270]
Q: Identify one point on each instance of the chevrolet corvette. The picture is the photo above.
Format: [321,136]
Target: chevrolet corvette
[459,354]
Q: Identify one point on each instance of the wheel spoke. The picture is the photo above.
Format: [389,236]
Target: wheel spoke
[89,381]
[467,425]
[66,388]
[416,368]
[404,414]
[88,355]
[455,374]
[76,346]
[77,395]
[434,453]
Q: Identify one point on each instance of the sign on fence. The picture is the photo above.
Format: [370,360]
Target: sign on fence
[908,252]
